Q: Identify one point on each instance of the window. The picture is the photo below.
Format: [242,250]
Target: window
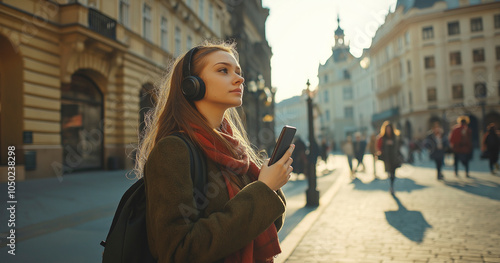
[347,75]
[401,71]
[201,9]
[455,58]
[453,28]
[407,38]
[478,55]
[429,62]
[400,43]
[497,21]
[146,22]
[123,12]
[177,41]
[325,93]
[347,93]
[327,115]
[497,51]
[348,112]
[457,91]
[431,94]
[210,15]
[480,89]
[326,78]
[164,35]
[476,24]
[408,65]
[453,4]
[427,33]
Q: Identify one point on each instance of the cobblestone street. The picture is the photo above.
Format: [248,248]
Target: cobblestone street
[455,220]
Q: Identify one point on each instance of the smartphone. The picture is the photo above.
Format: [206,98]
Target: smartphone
[283,143]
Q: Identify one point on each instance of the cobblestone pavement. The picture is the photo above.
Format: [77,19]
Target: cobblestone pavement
[455,220]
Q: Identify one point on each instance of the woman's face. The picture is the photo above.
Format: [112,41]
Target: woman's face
[388,130]
[223,80]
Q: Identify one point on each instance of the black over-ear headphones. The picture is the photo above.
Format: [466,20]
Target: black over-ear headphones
[192,87]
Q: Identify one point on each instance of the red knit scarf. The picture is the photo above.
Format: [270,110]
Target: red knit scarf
[266,245]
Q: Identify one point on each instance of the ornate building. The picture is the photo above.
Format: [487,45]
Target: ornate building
[335,95]
[74,76]
[434,60]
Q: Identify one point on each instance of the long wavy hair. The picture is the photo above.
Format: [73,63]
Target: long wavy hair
[395,132]
[173,112]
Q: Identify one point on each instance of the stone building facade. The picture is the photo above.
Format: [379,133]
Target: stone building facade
[436,60]
[76,76]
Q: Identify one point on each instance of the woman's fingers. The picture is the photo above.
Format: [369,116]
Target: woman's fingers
[287,155]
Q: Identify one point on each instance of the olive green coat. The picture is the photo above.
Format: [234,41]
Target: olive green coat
[177,234]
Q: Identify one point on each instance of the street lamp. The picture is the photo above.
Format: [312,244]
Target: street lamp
[312,195]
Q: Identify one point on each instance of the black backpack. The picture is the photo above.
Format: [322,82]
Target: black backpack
[127,239]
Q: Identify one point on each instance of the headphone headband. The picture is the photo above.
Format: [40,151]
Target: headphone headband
[186,66]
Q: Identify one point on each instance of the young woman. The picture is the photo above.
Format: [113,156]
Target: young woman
[245,205]
[388,150]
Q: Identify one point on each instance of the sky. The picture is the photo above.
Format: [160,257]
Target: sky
[301,35]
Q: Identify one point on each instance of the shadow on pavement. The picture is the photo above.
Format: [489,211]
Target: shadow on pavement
[294,219]
[400,185]
[293,188]
[477,186]
[411,224]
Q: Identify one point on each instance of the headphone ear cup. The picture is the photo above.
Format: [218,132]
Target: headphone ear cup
[193,88]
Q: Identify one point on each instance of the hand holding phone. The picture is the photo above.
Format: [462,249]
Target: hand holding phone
[284,141]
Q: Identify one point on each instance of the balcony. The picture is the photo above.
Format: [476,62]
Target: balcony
[77,14]
[101,24]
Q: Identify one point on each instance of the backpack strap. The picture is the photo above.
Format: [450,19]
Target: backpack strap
[198,169]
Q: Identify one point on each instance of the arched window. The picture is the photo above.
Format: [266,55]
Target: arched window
[81,129]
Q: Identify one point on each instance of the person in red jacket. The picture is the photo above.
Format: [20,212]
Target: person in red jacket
[461,143]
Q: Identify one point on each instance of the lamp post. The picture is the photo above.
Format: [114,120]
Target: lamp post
[312,195]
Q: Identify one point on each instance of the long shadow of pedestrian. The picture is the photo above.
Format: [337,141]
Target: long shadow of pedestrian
[400,185]
[477,186]
[411,224]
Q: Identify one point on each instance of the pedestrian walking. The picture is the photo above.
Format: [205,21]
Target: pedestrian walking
[348,150]
[461,143]
[359,147]
[491,146]
[324,150]
[372,147]
[299,156]
[245,206]
[437,144]
[388,150]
